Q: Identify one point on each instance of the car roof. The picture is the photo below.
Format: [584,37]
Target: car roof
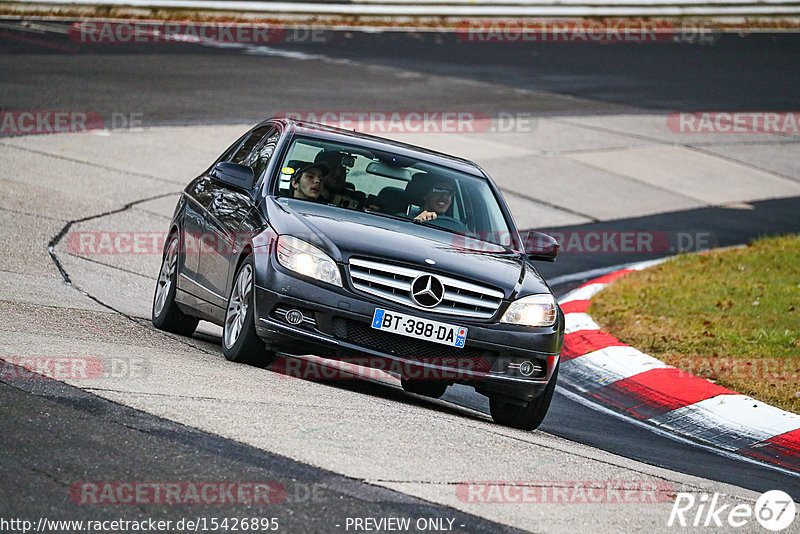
[331,133]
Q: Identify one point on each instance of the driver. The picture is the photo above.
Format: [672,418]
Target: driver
[333,183]
[437,199]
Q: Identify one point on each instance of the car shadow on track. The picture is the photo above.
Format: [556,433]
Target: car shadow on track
[357,379]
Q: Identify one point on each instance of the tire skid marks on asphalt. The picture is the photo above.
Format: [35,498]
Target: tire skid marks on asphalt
[605,370]
[731,421]
[782,450]
[608,365]
[643,395]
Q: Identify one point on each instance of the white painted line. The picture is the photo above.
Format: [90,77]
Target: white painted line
[730,421]
[578,321]
[606,366]
[642,265]
[582,293]
[601,271]
[586,275]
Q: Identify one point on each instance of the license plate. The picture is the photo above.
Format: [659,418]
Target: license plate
[408,325]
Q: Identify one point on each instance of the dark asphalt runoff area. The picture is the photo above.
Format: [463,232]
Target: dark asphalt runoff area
[58,440]
[49,428]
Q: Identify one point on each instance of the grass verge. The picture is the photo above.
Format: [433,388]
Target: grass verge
[731,316]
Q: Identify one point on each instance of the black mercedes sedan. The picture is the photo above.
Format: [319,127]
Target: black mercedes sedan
[307,239]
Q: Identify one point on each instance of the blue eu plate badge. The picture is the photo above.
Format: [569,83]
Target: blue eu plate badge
[377,319]
[461,337]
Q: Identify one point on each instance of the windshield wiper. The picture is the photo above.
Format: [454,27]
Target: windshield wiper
[388,215]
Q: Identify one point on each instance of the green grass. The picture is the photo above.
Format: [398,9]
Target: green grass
[731,316]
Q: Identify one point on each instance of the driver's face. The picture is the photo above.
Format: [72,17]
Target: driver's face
[334,180]
[439,197]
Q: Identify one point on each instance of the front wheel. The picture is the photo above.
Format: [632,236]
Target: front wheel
[166,314]
[240,343]
[527,417]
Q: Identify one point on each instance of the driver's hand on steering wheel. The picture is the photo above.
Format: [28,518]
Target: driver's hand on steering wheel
[426,216]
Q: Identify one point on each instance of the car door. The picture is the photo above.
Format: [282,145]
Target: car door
[193,224]
[227,209]
[199,196]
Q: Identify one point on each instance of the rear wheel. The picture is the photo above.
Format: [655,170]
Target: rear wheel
[240,343]
[527,417]
[429,388]
[166,315]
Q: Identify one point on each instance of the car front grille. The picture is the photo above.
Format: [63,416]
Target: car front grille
[471,358]
[393,283]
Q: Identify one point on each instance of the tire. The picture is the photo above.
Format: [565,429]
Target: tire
[165,312]
[527,417]
[240,343]
[428,388]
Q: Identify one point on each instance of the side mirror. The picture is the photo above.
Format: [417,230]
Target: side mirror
[539,246]
[234,175]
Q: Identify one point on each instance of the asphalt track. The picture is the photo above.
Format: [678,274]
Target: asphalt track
[80,430]
[201,86]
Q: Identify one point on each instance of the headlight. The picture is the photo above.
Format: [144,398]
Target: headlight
[535,310]
[308,260]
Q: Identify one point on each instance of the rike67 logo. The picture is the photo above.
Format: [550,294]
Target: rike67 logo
[774,510]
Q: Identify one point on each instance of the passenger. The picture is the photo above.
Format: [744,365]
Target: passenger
[334,190]
[306,182]
[437,200]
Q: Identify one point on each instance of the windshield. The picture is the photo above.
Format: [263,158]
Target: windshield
[384,184]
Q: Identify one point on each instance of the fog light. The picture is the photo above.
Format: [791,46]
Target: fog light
[526,368]
[294,317]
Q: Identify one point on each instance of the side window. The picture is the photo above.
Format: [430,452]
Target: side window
[257,149]
[228,154]
[262,155]
[243,153]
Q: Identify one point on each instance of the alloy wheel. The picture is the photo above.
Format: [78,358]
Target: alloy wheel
[165,277]
[237,305]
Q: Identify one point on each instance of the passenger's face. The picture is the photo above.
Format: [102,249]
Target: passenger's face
[308,185]
[439,198]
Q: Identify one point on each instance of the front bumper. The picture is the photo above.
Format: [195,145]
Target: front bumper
[336,323]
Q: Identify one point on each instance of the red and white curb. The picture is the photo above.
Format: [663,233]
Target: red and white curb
[604,370]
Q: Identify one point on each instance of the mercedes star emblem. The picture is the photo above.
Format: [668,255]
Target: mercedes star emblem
[427,290]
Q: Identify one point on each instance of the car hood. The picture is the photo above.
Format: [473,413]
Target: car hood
[349,233]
